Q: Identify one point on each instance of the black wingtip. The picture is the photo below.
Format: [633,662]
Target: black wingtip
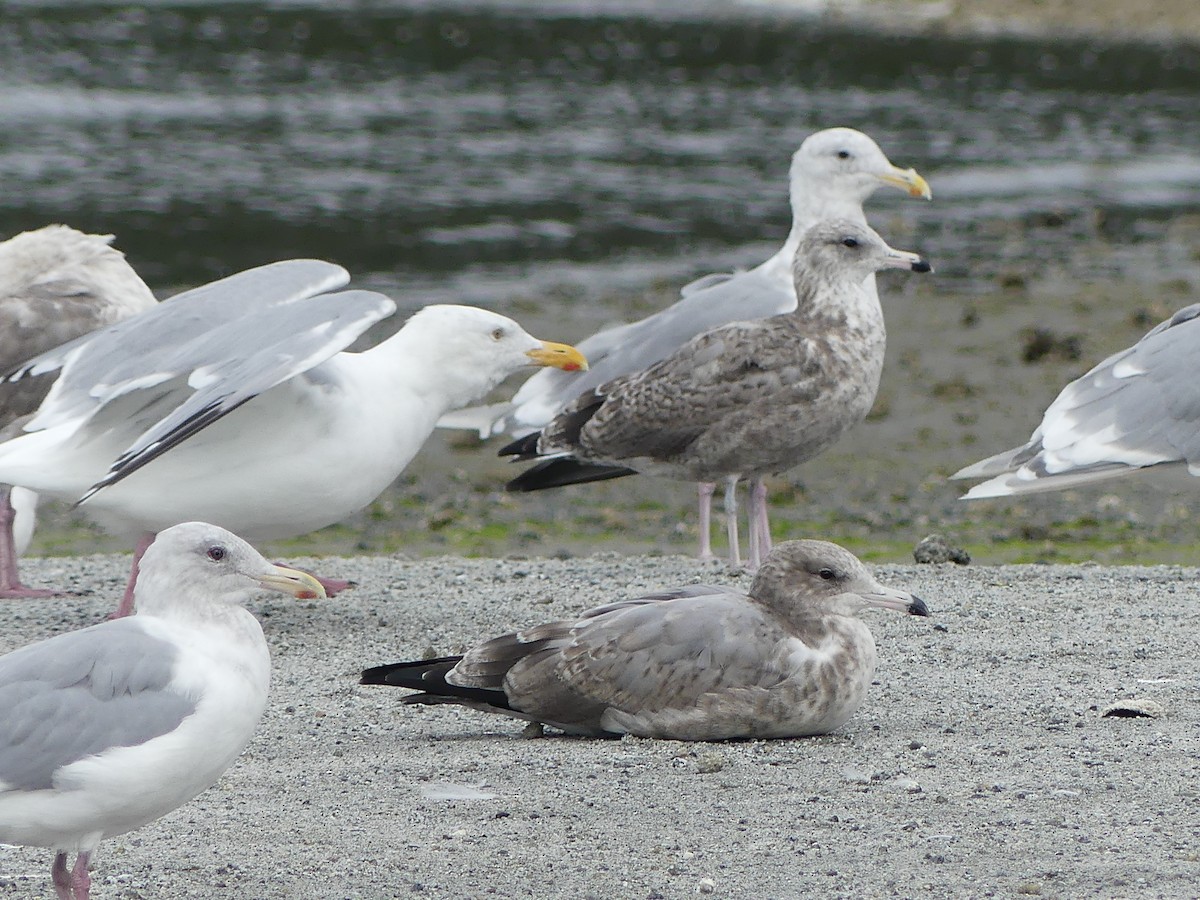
[552,473]
[522,448]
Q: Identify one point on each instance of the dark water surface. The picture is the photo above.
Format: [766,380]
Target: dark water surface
[539,159]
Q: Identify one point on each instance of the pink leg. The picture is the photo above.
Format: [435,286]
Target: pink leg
[10,579]
[61,877]
[331,585]
[760,523]
[125,607]
[705,491]
[731,521]
[80,877]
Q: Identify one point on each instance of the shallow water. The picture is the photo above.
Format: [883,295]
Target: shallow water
[574,163]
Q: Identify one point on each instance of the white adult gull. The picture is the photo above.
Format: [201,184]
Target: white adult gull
[108,728]
[1138,411]
[832,174]
[699,663]
[236,404]
[56,284]
[748,399]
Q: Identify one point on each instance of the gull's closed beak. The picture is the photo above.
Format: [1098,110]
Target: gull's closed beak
[560,356]
[900,601]
[292,581]
[907,180]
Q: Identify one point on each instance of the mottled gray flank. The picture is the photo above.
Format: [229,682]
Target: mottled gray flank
[56,284]
[789,658]
[82,693]
[832,174]
[1137,410]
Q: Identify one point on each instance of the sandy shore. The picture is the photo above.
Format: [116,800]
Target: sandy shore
[979,765]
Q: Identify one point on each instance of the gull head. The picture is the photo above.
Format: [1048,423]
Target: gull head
[841,251]
[814,579]
[842,165]
[197,563]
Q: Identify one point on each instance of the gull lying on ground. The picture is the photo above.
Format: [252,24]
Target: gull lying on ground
[706,663]
[748,399]
[56,284]
[111,727]
[232,404]
[1137,411]
[832,174]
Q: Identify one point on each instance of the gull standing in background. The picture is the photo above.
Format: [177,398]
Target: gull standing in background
[1137,411]
[56,284]
[111,727]
[235,403]
[832,174]
[699,663]
[748,399]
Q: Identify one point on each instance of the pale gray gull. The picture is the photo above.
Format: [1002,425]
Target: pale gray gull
[703,662]
[56,284]
[111,727]
[1137,411]
[235,403]
[748,399]
[832,174]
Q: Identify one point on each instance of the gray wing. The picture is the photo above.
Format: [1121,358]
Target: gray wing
[659,413]
[200,355]
[1139,407]
[631,348]
[82,693]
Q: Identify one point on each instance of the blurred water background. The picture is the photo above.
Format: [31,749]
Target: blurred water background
[574,163]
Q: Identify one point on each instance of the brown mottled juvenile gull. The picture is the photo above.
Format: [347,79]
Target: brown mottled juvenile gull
[236,403]
[699,663]
[748,399]
[111,727]
[832,174]
[56,284]
[1137,411]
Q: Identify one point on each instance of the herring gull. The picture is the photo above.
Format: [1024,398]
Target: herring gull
[748,399]
[111,727]
[1137,411]
[832,174]
[56,284]
[703,662]
[235,403]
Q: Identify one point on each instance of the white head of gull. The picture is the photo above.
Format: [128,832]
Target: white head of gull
[56,284]
[108,728]
[1135,412]
[748,399]
[788,658]
[236,403]
[833,173]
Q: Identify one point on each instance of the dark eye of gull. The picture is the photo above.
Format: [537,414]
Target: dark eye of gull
[827,574]
[217,553]
[849,242]
[843,154]
[497,334]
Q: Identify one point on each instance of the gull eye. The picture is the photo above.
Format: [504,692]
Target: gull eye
[843,154]
[497,334]
[849,242]
[216,553]
[827,574]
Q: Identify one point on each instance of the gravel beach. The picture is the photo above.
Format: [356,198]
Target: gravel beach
[979,765]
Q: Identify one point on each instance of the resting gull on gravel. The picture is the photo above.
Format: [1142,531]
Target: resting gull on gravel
[703,662]
[1137,411]
[111,727]
[832,174]
[748,399]
[232,404]
[56,284]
